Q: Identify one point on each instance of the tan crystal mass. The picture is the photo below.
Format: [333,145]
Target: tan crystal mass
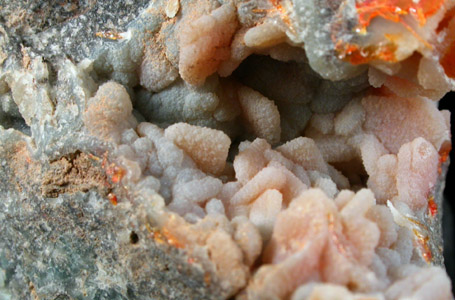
[261,114]
[207,147]
[310,172]
[204,43]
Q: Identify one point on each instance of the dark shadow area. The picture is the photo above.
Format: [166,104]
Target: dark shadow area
[10,116]
[448,102]
[15,123]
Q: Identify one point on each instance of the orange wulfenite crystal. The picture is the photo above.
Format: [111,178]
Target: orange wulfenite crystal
[157,236]
[283,13]
[432,206]
[443,156]
[171,239]
[357,55]
[115,173]
[423,243]
[111,35]
[113,198]
[393,9]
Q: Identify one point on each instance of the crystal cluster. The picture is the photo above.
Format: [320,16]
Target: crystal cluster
[285,149]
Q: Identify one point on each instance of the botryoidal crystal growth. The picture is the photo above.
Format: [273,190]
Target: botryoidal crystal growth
[209,149]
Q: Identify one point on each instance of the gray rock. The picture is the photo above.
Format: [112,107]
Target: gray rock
[78,245]
[55,29]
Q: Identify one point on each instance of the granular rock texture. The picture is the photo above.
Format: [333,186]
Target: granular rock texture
[73,245]
[72,174]
[217,149]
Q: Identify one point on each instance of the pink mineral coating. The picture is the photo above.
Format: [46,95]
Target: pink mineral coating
[298,238]
[341,181]
[311,237]
[327,291]
[417,172]
[381,168]
[228,258]
[264,35]
[110,104]
[264,211]
[343,198]
[322,123]
[371,149]
[293,187]
[267,178]
[204,43]
[431,75]
[207,147]
[239,51]
[198,190]
[361,232]
[427,283]
[261,114]
[382,216]
[407,83]
[396,121]
[215,206]
[304,151]
[275,156]
[350,118]
[215,234]
[382,181]
[334,148]
[156,72]
[250,160]
[228,107]
[304,219]
[248,238]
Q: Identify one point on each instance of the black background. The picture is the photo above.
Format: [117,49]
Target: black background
[448,102]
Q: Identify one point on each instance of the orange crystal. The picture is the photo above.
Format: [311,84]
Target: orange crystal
[392,10]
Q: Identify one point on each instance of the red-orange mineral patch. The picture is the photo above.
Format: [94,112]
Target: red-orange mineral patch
[112,198]
[422,242]
[449,15]
[115,173]
[432,206]
[443,156]
[392,10]
[448,61]
[357,55]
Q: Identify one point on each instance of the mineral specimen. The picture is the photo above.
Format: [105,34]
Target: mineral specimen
[210,149]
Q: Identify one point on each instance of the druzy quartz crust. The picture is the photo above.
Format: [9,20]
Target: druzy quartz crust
[218,149]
